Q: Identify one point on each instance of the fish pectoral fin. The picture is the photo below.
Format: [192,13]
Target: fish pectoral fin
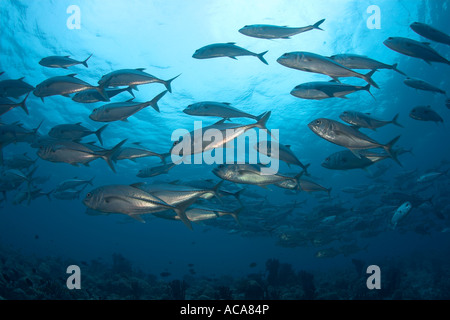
[137,217]
[356,153]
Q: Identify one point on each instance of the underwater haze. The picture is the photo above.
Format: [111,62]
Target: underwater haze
[310,233]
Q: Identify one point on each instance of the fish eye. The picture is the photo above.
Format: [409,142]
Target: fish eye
[88,195]
[327,159]
[318,121]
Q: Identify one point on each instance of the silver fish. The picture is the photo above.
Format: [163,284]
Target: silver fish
[123,199]
[74,132]
[65,85]
[284,153]
[92,96]
[416,49]
[62,62]
[356,61]
[132,153]
[76,153]
[14,88]
[365,120]
[346,160]
[430,33]
[320,90]
[265,31]
[155,171]
[311,62]
[247,174]
[194,139]
[422,85]
[7,105]
[73,184]
[123,110]
[218,109]
[311,186]
[132,77]
[425,113]
[229,49]
[68,194]
[348,136]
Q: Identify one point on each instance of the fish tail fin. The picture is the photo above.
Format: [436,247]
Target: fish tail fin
[154,101]
[85,61]
[257,118]
[108,155]
[260,56]
[368,78]
[394,67]
[163,156]
[388,149]
[305,169]
[235,216]
[215,189]
[102,92]
[394,121]
[317,24]
[23,105]
[299,175]
[167,83]
[35,130]
[180,210]
[261,124]
[47,194]
[98,133]
[130,90]
[367,88]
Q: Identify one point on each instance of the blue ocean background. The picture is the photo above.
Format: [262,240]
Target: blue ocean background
[161,36]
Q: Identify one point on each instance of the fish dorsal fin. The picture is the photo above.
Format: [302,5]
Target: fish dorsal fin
[231,42]
[227,103]
[20,78]
[71,75]
[137,185]
[333,81]
[78,123]
[129,100]
[288,146]
[66,56]
[140,69]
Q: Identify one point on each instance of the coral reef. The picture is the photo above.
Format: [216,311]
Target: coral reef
[411,278]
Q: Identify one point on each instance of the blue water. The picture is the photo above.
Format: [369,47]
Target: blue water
[161,36]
